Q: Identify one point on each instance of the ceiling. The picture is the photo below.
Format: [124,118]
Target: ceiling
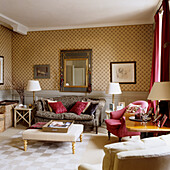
[36,15]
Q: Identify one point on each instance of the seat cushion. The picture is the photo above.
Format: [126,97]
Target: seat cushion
[112,124]
[74,116]
[49,115]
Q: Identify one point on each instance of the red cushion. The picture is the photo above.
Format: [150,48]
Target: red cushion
[78,107]
[58,107]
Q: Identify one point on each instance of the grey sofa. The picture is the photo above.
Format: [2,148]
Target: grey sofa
[44,115]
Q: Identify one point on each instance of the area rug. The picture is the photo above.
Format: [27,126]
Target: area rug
[40,155]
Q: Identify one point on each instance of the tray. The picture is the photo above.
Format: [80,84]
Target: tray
[57,128]
[138,120]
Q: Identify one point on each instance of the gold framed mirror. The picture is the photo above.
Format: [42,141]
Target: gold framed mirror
[76,70]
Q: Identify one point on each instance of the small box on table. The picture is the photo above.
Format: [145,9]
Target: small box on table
[60,126]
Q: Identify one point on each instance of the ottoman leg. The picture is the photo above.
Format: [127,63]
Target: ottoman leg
[25,145]
[81,137]
[73,147]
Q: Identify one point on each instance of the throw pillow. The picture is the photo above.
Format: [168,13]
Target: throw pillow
[78,107]
[88,104]
[91,109]
[58,107]
[51,101]
[131,108]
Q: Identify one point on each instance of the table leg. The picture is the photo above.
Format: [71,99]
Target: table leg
[73,147]
[15,118]
[81,137]
[25,145]
[29,118]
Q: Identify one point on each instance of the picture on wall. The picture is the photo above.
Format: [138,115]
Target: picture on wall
[1,70]
[41,71]
[123,72]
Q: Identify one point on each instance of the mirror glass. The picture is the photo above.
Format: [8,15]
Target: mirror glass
[76,72]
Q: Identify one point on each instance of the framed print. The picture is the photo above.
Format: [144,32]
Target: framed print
[121,104]
[111,107]
[1,70]
[41,71]
[123,72]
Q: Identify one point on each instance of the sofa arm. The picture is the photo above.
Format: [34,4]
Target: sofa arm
[148,159]
[112,149]
[85,166]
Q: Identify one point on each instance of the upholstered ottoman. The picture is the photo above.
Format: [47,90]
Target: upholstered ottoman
[74,132]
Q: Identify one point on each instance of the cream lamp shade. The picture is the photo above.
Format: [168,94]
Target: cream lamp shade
[160,91]
[33,85]
[113,88]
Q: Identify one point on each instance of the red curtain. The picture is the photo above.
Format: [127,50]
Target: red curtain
[165,39]
[155,59]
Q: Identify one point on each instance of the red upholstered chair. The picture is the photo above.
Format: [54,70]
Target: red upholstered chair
[116,124]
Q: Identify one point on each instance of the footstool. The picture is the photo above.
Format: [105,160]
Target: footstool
[74,132]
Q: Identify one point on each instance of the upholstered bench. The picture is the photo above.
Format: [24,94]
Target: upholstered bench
[74,132]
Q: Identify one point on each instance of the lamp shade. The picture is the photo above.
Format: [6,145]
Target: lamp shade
[33,85]
[160,91]
[113,88]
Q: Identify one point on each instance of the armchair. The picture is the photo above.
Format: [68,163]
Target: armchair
[117,125]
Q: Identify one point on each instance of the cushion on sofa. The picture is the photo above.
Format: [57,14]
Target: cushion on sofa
[91,109]
[69,101]
[78,107]
[73,116]
[49,115]
[58,107]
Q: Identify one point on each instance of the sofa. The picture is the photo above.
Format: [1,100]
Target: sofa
[146,154]
[42,113]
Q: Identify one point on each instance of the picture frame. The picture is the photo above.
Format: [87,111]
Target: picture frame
[123,72]
[111,107]
[121,104]
[41,71]
[1,70]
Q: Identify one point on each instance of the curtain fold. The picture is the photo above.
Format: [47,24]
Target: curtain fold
[165,39]
[155,59]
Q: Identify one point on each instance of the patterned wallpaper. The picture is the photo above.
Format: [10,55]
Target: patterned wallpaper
[108,44]
[6,51]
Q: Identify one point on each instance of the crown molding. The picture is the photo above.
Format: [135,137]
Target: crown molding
[22,29]
[30,29]
[16,26]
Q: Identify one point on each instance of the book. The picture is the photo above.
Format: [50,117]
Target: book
[57,124]
[163,120]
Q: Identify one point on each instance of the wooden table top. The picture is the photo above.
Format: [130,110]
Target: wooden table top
[143,126]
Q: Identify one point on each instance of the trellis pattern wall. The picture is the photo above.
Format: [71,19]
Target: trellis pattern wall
[108,44]
[6,51]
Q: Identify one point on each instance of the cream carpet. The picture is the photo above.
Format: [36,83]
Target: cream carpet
[51,155]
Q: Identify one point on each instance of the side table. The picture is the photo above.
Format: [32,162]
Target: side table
[22,113]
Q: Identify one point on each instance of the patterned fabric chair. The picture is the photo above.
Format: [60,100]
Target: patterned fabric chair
[116,124]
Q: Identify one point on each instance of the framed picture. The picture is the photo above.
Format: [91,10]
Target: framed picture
[111,107]
[121,104]
[41,71]
[1,70]
[123,72]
